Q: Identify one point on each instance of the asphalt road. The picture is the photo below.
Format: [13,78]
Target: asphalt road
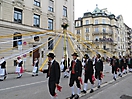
[29,87]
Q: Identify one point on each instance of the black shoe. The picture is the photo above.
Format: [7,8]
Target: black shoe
[83,91]
[119,75]
[36,75]
[33,75]
[91,91]
[76,96]
[124,73]
[72,96]
[114,78]
[19,76]
[65,76]
[1,79]
[5,77]
[99,86]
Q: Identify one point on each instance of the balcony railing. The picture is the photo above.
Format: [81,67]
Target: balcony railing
[103,32]
[104,40]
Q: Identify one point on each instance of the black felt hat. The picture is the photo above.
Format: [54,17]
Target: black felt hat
[86,56]
[51,55]
[75,54]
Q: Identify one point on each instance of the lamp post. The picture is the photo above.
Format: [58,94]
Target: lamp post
[64,26]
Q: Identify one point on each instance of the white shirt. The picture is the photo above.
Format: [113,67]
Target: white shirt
[52,61]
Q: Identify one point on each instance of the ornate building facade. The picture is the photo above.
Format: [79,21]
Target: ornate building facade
[103,33]
[30,16]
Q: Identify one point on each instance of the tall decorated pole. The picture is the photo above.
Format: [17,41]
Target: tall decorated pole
[64,26]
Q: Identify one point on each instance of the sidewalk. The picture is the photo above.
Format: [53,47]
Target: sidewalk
[120,90]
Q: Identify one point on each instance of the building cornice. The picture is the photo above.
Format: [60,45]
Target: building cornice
[23,27]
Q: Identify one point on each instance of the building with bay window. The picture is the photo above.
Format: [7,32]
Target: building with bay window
[102,32]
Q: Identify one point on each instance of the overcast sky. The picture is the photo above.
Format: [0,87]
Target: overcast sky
[117,7]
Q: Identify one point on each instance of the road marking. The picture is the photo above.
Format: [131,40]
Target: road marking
[22,85]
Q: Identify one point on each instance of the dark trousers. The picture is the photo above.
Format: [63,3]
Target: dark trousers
[125,66]
[88,77]
[73,79]
[120,67]
[114,70]
[129,66]
[98,75]
[52,87]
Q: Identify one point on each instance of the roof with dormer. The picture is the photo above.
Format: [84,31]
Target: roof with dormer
[97,10]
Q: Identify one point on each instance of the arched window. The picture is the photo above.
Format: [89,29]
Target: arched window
[17,39]
[50,43]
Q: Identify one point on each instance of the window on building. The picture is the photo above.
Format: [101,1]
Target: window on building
[64,11]
[87,30]
[96,21]
[87,38]
[87,22]
[103,21]
[104,30]
[78,31]
[97,38]
[36,20]
[51,6]
[96,30]
[50,24]
[118,38]
[50,44]
[77,23]
[104,47]
[17,39]
[37,3]
[17,15]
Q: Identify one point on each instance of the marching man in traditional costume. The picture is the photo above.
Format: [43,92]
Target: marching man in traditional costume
[53,73]
[2,69]
[98,69]
[124,65]
[19,68]
[121,62]
[88,74]
[114,63]
[35,67]
[129,63]
[76,72]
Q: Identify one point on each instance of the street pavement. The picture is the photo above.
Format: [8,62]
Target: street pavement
[29,87]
